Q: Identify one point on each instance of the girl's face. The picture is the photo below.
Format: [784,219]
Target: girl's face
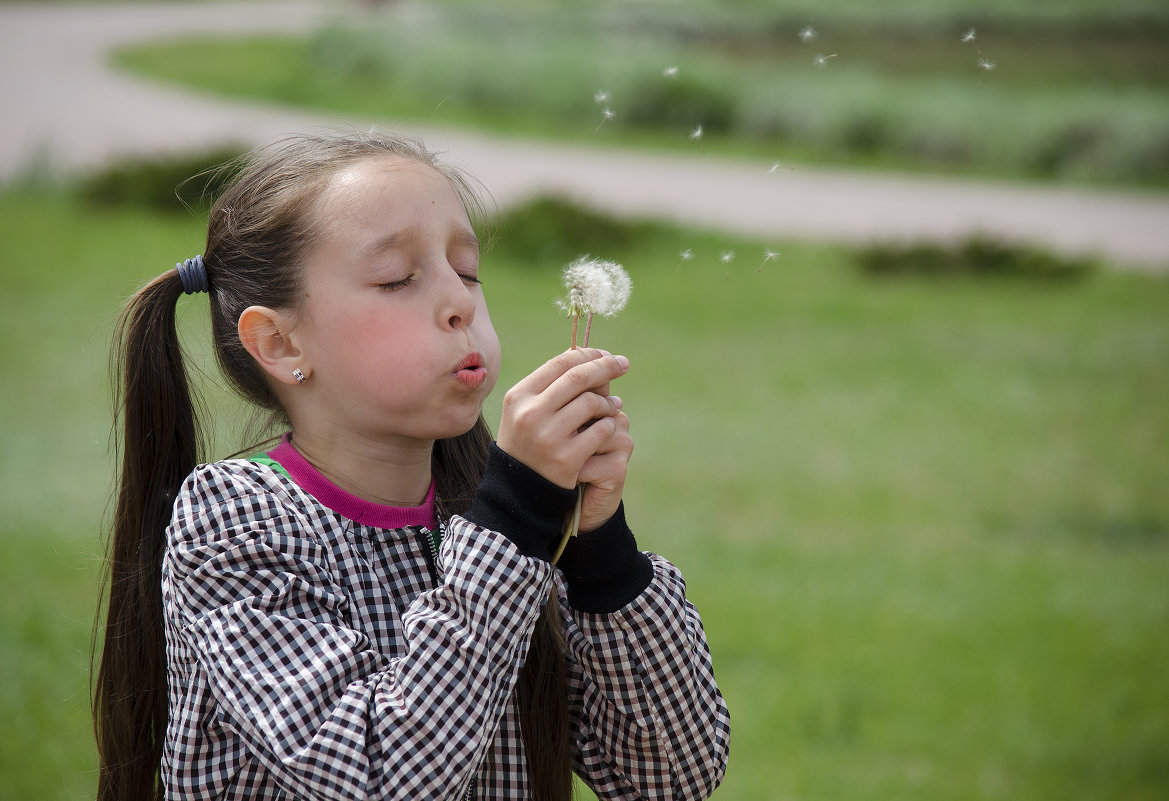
[394,324]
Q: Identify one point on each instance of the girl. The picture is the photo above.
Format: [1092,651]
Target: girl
[369,609]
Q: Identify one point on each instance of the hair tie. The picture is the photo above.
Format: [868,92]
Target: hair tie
[193,274]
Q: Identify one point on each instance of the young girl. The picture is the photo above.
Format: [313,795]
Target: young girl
[369,609]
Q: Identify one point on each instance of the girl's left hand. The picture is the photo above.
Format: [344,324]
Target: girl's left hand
[602,477]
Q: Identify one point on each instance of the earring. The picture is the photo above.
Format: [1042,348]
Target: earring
[298,374]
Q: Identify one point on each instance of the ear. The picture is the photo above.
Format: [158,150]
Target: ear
[266,334]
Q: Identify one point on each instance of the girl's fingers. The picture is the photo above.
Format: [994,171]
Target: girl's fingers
[542,377]
[561,414]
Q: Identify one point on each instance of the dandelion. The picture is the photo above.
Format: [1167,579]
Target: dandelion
[968,36]
[595,287]
[686,255]
[807,34]
[986,65]
[696,133]
[670,72]
[606,115]
[601,97]
[821,61]
[727,256]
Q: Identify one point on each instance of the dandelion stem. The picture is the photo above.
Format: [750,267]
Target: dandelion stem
[588,329]
[575,322]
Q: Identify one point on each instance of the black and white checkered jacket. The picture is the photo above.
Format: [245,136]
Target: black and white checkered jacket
[312,656]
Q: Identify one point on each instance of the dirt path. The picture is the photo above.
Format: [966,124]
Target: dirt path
[66,109]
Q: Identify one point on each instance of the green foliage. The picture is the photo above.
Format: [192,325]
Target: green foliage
[977,257]
[185,183]
[550,231]
[1077,95]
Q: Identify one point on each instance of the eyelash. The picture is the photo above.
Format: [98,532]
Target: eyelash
[394,286]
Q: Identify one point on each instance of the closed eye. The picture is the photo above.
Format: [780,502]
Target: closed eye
[394,286]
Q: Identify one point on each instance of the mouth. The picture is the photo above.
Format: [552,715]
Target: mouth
[471,371]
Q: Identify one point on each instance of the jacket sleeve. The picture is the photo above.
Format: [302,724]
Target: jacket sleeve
[652,721]
[250,591]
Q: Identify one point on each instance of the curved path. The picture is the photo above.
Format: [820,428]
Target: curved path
[65,109]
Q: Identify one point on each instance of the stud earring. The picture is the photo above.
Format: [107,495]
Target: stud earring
[298,374]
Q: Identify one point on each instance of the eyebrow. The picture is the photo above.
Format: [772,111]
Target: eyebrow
[464,238]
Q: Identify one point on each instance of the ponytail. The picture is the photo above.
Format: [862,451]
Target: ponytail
[160,445]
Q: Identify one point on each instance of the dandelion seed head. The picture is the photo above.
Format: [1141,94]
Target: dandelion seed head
[969,36]
[807,33]
[696,133]
[670,72]
[595,287]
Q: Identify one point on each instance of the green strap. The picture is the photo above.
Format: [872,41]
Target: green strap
[268,461]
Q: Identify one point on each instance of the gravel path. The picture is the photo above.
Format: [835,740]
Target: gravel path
[65,109]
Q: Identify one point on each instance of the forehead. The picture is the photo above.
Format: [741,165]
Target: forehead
[382,184]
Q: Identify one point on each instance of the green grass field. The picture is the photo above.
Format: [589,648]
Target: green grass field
[925,519]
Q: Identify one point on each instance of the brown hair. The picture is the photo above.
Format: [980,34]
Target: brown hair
[259,230]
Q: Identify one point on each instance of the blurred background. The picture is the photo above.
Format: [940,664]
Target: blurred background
[899,335]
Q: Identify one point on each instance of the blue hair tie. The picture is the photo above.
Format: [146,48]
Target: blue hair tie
[194,275]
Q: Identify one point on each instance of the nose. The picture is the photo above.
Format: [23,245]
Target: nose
[457,306]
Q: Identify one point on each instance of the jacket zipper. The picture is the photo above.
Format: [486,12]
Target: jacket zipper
[432,543]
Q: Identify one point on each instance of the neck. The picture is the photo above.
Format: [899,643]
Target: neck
[394,475]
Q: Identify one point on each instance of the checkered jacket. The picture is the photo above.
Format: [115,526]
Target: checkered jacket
[311,656]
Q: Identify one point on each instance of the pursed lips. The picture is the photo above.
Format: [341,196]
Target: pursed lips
[470,370]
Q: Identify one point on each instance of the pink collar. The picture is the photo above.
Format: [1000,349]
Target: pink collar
[367,513]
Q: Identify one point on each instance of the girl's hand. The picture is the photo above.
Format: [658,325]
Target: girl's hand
[603,476]
[561,422]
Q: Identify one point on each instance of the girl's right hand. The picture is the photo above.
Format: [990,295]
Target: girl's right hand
[558,417]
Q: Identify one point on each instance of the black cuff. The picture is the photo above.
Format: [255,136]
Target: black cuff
[603,568]
[521,504]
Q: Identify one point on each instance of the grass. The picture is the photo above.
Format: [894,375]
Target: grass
[1079,97]
[924,518]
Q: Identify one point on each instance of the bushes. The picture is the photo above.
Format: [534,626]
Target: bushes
[977,257]
[551,231]
[184,183]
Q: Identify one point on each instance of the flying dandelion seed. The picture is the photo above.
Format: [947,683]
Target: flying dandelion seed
[727,256]
[686,255]
[776,167]
[821,61]
[770,255]
[601,97]
[984,64]
[807,34]
[696,133]
[606,115]
[670,72]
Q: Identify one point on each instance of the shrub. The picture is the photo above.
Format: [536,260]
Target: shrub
[180,183]
[552,230]
[977,257]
